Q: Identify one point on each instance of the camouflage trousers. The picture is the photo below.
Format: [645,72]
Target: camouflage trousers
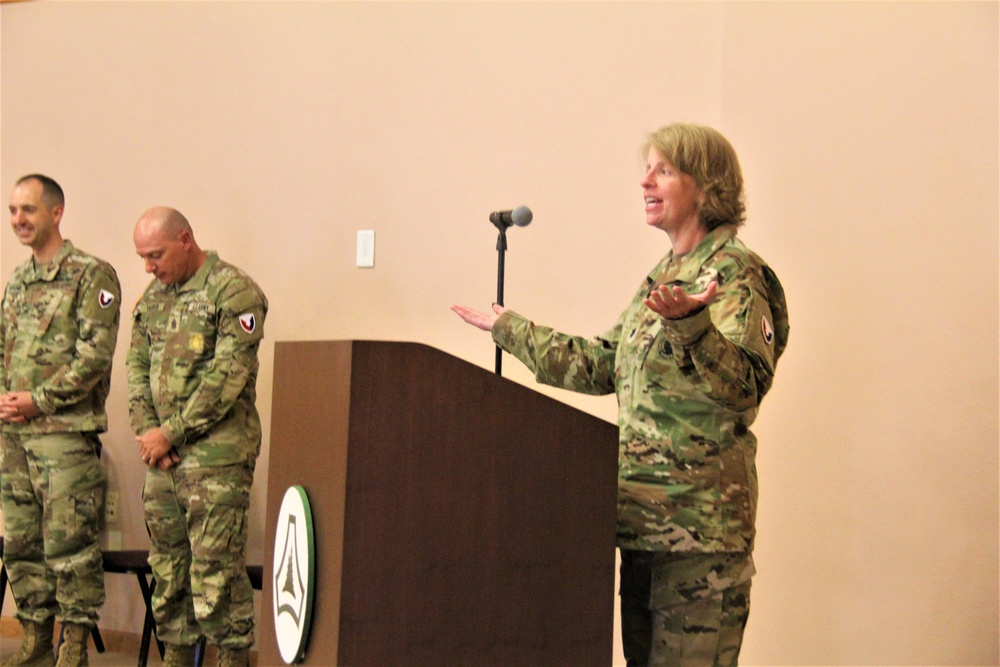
[52,494]
[197,523]
[682,610]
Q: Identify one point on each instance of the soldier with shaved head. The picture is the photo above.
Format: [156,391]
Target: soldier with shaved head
[192,374]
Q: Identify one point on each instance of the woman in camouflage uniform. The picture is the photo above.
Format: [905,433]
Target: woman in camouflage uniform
[690,359]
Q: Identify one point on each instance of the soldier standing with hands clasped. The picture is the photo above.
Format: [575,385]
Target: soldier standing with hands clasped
[57,339]
[192,374]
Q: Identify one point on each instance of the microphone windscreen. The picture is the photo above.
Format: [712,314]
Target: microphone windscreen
[521,216]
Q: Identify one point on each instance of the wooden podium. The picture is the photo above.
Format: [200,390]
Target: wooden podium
[460,518]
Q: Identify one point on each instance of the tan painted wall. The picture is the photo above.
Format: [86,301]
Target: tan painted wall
[868,135]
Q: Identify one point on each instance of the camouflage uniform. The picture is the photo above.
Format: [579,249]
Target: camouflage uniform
[192,371]
[57,338]
[688,391]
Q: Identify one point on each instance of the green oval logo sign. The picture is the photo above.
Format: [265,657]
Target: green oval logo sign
[294,578]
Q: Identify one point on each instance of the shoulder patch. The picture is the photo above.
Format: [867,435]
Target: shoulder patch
[767,330]
[105,298]
[248,322]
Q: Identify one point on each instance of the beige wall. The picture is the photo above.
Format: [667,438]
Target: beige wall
[868,135]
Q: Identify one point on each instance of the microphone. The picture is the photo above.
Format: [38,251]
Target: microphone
[520,216]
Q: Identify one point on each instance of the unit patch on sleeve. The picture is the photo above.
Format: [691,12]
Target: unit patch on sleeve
[248,322]
[767,330]
[105,298]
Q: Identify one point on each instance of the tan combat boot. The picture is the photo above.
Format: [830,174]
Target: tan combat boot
[36,648]
[178,656]
[73,651]
[234,657]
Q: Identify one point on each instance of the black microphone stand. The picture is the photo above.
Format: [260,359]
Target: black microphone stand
[519,216]
[501,249]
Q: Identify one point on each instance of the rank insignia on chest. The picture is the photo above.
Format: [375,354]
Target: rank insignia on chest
[105,298]
[248,322]
[196,343]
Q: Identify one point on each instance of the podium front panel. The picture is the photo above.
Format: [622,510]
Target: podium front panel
[461,518]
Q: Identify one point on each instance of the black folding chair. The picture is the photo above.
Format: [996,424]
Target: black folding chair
[3,575]
[137,562]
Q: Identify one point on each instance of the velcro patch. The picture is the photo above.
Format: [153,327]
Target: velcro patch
[767,330]
[248,322]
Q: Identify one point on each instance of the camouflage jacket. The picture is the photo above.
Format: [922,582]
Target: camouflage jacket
[688,391]
[57,339]
[192,364]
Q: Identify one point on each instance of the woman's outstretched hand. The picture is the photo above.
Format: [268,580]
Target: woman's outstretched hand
[484,321]
[673,303]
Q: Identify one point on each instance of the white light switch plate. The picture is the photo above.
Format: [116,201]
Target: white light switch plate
[366,248]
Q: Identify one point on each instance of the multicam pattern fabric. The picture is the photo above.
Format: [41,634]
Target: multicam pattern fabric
[53,493]
[192,371]
[688,391]
[57,338]
[706,631]
[192,364]
[683,608]
[197,519]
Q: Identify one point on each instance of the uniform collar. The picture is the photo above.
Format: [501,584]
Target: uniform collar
[200,277]
[689,264]
[48,271]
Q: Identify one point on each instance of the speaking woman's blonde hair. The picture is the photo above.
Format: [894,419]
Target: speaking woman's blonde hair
[707,157]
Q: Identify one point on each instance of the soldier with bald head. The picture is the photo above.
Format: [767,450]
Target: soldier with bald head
[192,374]
[57,339]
